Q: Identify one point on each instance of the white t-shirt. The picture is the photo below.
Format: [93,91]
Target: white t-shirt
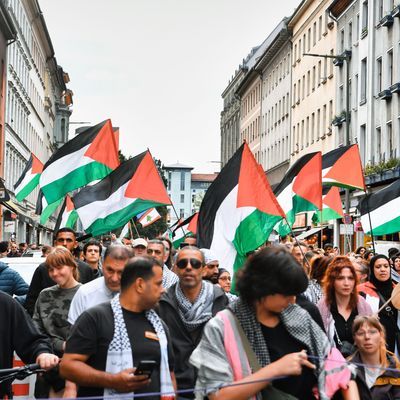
[87,296]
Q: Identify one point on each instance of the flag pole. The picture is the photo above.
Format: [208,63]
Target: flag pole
[134,225]
[176,215]
[130,229]
[369,218]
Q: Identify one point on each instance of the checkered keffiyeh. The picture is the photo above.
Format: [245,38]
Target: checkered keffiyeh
[169,278]
[120,354]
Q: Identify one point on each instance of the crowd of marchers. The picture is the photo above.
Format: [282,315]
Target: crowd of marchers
[304,323]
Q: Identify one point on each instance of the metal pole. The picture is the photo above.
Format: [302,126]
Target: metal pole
[347,138]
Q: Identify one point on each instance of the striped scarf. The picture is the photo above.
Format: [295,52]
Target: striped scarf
[120,355]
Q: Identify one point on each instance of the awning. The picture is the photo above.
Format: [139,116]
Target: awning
[23,215]
[306,234]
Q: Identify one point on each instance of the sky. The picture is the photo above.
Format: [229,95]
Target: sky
[157,68]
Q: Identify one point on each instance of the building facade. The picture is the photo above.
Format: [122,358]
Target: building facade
[313,79]
[179,191]
[35,90]
[275,69]
[199,185]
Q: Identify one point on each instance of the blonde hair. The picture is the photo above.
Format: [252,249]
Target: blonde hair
[373,321]
[59,257]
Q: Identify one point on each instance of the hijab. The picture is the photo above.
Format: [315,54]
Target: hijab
[384,288]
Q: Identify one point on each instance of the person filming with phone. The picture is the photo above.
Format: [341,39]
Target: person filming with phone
[123,346]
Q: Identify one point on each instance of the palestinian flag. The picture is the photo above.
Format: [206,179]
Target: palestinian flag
[68,216]
[300,190]
[331,206]
[89,156]
[29,178]
[135,186]
[148,217]
[342,167]
[238,212]
[45,210]
[384,209]
[183,229]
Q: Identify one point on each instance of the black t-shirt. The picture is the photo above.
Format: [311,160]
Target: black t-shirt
[93,332]
[280,343]
[343,327]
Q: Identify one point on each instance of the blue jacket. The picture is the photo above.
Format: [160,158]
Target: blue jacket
[11,282]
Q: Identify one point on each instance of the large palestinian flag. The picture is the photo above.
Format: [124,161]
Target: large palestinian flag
[238,212]
[29,178]
[342,167]
[332,207]
[68,216]
[384,209]
[133,187]
[89,156]
[183,229]
[300,190]
[45,210]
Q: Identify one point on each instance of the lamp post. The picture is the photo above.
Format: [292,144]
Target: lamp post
[346,56]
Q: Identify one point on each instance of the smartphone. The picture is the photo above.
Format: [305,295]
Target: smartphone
[145,367]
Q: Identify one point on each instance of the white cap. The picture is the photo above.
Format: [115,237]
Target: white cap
[209,256]
[139,242]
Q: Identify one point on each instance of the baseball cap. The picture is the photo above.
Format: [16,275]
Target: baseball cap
[139,242]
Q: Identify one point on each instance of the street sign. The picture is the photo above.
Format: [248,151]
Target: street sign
[346,229]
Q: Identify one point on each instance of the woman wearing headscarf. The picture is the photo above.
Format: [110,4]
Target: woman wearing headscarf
[377,291]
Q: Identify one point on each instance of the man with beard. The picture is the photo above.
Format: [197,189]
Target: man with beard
[186,307]
[211,268]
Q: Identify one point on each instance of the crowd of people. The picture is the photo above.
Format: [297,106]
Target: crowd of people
[144,318]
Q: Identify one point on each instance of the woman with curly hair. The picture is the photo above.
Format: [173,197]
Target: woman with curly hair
[341,303]
[376,375]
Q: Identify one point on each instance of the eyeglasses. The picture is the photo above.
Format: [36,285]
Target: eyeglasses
[225,278]
[370,332]
[194,262]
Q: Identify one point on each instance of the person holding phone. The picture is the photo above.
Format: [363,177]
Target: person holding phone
[115,347]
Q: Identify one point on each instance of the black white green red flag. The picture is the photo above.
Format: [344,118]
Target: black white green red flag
[384,209]
[135,186]
[332,207]
[45,210]
[29,178]
[342,167]
[183,229]
[67,217]
[238,212]
[89,156]
[300,190]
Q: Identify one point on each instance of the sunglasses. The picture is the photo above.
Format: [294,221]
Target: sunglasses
[194,262]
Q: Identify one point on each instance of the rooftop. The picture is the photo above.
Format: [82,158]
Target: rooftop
[177,166]
[204,177]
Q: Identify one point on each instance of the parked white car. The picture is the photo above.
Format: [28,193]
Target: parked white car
[25,266]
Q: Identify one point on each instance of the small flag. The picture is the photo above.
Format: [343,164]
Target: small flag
[89,156]
[238,212]
[29,178]
[68,215]
[135,186]
[300,190]
[384,209]
[342,167]
[332,207]
[183,229]
[125,231]
[148,217]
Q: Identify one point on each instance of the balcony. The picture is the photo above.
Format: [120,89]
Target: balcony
[395,88]
[387,21]
[396,11]
[385,95]
[339,119]
[338,62]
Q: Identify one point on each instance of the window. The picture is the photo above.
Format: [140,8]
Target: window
[379,4]
[307,131]
[309,40]
[298,56]
[304,87]
[342,41]
[378,144]
[319,72]
[363,80]
[362,144]
[182,180]
[390,140]
[308,82]
[379,74]
[314,33]
[324,120]
[330,111]
[313,78]
[182,213]
[317,130]
[312,127]
[320,27]
[182,198]
[331,64]
[390,67]
[364,27]
[350,40]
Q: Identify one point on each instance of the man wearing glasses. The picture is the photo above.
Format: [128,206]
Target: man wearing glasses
[65,237]
[186,307]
